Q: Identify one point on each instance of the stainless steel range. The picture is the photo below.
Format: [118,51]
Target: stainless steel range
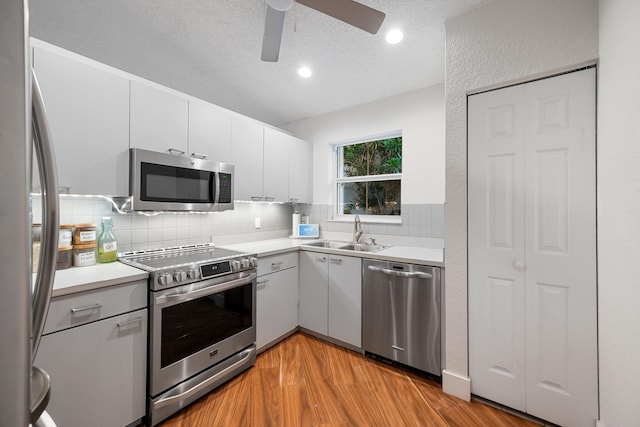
[202,304]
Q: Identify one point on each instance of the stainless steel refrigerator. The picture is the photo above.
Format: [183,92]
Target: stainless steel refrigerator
[24,138]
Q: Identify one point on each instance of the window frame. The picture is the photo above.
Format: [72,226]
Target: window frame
[337,180]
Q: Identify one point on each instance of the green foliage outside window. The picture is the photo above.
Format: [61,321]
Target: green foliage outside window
[371,197]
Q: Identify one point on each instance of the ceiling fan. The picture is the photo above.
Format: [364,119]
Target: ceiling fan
[349,11]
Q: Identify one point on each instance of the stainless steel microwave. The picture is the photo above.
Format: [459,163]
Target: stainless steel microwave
[169,182]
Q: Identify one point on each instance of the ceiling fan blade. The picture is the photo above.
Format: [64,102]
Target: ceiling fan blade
[349,11]
[272,34]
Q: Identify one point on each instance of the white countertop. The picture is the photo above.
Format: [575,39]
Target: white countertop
[78,279]
[407,254]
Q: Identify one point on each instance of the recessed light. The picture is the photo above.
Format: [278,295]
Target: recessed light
[394,36]
[304,72]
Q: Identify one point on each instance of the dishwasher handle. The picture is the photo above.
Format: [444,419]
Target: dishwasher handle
[409,274]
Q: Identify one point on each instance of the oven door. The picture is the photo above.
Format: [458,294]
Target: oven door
[196,326]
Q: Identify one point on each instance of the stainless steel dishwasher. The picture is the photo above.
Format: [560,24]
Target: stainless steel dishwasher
[401,313]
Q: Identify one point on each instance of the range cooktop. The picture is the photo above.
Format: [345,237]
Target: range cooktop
[186,264]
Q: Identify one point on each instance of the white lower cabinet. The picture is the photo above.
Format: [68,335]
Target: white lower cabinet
[277,298]
[97,369]
[331,296]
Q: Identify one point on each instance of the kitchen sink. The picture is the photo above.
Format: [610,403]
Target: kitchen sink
[331,244]
[358,247]
[364,247]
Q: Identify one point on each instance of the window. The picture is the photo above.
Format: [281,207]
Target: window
[369,177]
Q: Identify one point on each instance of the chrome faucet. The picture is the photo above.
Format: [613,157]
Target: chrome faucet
[357,232]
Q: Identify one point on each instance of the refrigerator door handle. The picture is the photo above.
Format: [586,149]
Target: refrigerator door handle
[50,216]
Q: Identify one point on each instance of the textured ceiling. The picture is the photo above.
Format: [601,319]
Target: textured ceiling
[211,49]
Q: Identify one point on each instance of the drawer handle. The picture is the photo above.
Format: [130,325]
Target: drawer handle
[336,260]
[395,347]
[321,258]
[130,322]
[262,283]
[276,265]
[86,308]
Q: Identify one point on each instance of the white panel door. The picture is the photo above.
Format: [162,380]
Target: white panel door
[496,243]
[88,110]
[560,249]
[276,165]
[314,292]
[209,131]
[159,119]
[247,147]
[345,299]
[532,253]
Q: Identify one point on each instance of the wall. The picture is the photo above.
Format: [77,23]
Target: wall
[500,42]
[420,116]
[618,209]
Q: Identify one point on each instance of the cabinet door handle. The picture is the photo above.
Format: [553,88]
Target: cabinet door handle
[276,265]
[293,200]
[261,284]
[336,260]
[176,151]
[130,322]
[321,258]
[86,308]
[269,199]
[256,198]
[198,156]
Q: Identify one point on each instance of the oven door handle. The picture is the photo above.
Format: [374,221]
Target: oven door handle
[187,296]
[245,357]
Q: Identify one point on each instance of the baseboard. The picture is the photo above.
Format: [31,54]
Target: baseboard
[456,385]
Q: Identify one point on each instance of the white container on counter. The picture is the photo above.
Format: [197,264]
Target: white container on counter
[85,255]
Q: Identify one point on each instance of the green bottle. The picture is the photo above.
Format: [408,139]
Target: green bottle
[107,247]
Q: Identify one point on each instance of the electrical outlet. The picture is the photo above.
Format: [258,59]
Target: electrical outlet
[258,222]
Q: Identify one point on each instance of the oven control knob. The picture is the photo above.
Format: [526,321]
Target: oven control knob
[165,279]
[245,263]
[253,261]
[235,265]
[192,274]
[180,276]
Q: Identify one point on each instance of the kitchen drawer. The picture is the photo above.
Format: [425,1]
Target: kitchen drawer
[84,307]
[275,263]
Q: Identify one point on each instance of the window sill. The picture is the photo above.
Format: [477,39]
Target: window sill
[395,219]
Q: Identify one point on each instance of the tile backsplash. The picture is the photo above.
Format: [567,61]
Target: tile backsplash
[418,220]
[135,231]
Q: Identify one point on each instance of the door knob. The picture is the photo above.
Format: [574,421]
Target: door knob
[519,264]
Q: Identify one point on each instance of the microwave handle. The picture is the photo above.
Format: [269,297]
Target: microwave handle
[213,187]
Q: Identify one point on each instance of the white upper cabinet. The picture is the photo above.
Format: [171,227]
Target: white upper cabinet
[88,113]
[209,131]
[300,171]
[276,165]
[159,119]
[247,152]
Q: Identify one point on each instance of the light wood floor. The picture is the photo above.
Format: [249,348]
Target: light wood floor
[304,382]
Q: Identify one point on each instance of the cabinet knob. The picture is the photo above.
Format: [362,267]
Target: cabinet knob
[519,264]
